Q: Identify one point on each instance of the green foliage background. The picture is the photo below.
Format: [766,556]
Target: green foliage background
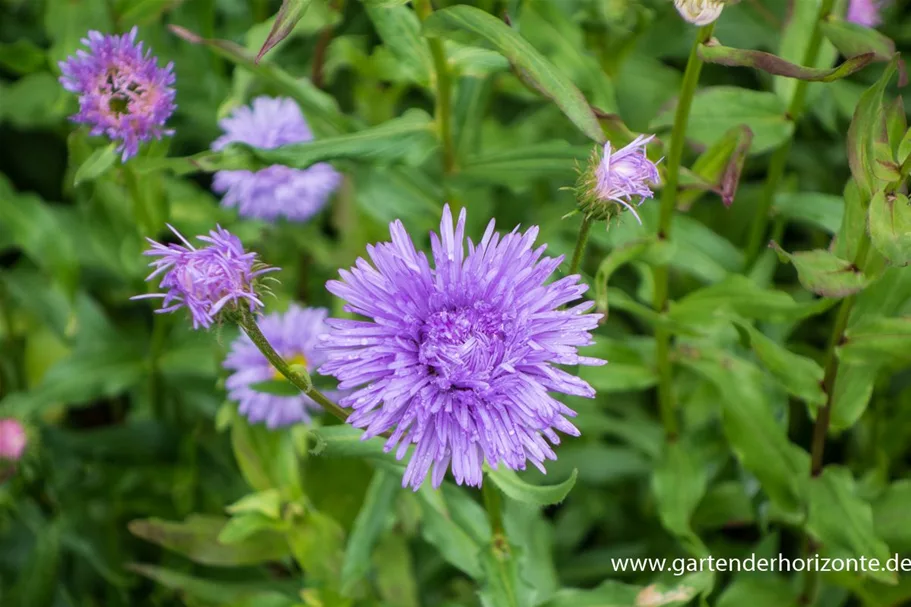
[141,486]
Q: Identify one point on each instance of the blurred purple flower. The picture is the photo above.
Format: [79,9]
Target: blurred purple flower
[626,174]
[276,191]
[12,439]
[205,280]
[122,92]
[865,12]
[458,358]
[294,335]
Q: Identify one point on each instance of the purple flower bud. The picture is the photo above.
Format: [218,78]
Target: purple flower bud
[458,354]
[122,92]
[12,439]
[865,12]
[206,280]
[275,191]
[295,336]
[617,177]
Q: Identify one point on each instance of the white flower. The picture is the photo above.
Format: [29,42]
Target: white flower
[699,12]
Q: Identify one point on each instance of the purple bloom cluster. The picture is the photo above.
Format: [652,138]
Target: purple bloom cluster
[865,12]
[122,92]
[625,174]
[205,280]
[276,191]
[294,335]
[458,358]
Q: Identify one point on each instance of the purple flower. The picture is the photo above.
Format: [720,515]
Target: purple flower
[865,12]
[122,92]
[626,174]
[458,358]
[294,335]
[276,191]
[205,280]
[12,439]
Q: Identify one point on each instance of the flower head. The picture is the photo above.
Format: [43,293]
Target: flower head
[205,280]
[699,12]
[276,191]
[865,12]
[122,92]
[458,357]
[617,177]
[12,439]
[294,335]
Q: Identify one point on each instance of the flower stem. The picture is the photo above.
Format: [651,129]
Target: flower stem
[297,376]
[581,241]
[779,159]
[492,503]
[668,203]
[143,218]
[443,84]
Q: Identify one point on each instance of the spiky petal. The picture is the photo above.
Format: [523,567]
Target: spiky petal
[458,358]
[220,275]
[123,93]
[617,178]
[276,191]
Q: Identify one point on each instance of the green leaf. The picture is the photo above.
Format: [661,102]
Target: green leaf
[759,591]
[713,52]
[649,248]
[539,495]
[267,459]
[616,594]
[320,108]
[877,340]
[370,523]
[818,210]
[268,503]
[852,39]
[97,164]
[21,56]
[503,586]
[443,527]
[802,18]
[145,12]
[619,377]
[890,226]
[843,522]
[454,21]
[289,14]
[758,440]
[240,527]
[865,131]
[718,109]
[395,578]
[720,166]
[853,224]
[318,543]
[347,441]
[197,539]
[890,515]
[799,375]
[823,273]
[277,387]
[678,484]
[524,165]
[213,592]
[851,394]
[38,577]
[400,30]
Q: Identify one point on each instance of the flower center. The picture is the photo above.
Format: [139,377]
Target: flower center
[120,91]
[463,346]
[296,359]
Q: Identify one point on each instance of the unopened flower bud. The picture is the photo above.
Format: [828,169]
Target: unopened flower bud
[699,12]
[12,439]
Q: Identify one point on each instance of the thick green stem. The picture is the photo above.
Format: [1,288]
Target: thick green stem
[443,83]
[779,159]
[296,375]
[581,241]
[492,503]
[668,204]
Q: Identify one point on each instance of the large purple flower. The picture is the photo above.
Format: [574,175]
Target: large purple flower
[865,12]
[458,358]
[294,335]
[122,92]
[276,191]
[205,280]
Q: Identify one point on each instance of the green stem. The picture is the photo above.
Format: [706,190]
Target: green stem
[143,219]
[492,503]
[443,85]
[297,376]
[668,204]
[779,159]
[581,241]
